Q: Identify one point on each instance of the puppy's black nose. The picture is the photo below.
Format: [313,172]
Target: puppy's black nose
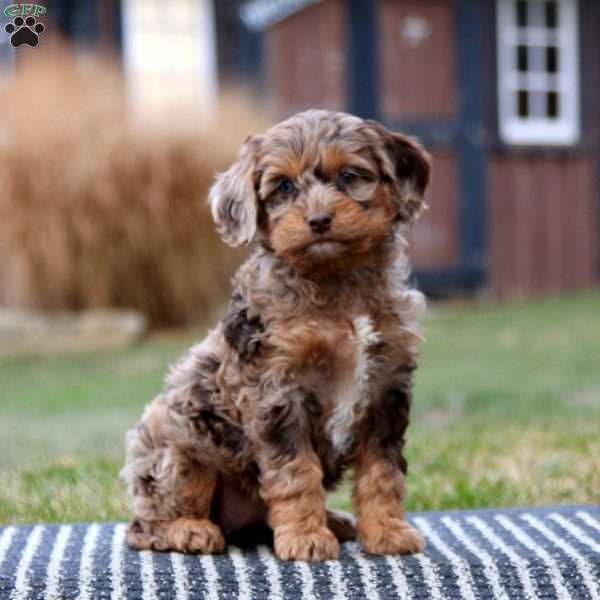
[320,222]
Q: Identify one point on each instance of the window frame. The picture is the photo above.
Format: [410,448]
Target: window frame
[565,130]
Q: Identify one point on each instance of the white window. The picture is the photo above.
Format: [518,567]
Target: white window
[538,71]
[169,56]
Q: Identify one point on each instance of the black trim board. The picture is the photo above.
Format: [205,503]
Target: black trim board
[471,19]
[363,58]
[439,283]
[430,131]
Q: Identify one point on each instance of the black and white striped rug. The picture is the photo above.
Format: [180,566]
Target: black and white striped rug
[500,554]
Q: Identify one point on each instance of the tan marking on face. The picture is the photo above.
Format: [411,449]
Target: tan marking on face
[333,157]
[362,210]
[355,232]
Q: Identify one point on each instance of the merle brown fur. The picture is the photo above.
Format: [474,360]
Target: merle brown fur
[310,371]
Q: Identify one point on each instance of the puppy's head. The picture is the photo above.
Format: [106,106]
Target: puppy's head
[322,190]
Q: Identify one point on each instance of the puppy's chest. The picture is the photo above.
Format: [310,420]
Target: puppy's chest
[343,362]
[355,382]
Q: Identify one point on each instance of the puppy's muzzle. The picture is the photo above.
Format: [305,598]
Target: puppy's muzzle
[320,222]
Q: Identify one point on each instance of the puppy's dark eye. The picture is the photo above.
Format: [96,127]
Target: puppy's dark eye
[348,177]
[286,186]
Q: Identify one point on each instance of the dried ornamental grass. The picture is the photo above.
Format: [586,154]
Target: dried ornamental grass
[98,211]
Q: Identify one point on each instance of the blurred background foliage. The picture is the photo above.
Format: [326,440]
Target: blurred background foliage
[98,209]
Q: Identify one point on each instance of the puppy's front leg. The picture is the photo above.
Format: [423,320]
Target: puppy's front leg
[291,478]
[379,474]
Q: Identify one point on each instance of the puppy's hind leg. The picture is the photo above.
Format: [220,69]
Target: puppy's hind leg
[342,524]
[172,493]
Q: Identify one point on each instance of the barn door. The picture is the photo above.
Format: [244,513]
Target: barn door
[430,82]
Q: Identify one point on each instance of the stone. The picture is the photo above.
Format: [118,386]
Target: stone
[28,331]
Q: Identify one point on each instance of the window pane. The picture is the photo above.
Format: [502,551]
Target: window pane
[552,105]
[537,59]
[552,59]
[537,105]
[523,103]
[536,14]
[521,9]
[522,62]
[551,14]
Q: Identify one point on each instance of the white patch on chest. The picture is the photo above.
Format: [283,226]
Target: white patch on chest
[352,396]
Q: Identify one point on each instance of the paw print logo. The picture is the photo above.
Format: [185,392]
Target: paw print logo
[24,31]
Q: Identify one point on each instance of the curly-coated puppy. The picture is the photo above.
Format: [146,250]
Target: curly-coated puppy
[310,372]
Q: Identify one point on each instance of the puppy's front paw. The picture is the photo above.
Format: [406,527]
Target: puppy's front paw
[183,535]
[390,537]
[205,537]
[196,536]
[317,545]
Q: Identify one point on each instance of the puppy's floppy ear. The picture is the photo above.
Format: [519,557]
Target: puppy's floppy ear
[406,163]
[233,197]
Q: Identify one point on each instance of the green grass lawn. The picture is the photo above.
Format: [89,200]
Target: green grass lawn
[507,412]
